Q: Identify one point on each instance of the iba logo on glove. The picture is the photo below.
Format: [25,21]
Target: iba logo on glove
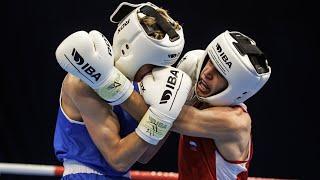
[171,83]
[86,67]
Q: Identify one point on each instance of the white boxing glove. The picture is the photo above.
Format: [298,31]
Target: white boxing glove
[89,56]
[165,90]
[190,64]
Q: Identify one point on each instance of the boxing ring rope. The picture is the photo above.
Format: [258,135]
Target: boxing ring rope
[52,170]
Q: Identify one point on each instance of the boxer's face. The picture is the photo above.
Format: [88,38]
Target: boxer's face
[144,70]
[210,81]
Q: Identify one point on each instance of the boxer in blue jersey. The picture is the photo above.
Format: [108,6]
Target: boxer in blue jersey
[120,147]
[74,146]
[95,137]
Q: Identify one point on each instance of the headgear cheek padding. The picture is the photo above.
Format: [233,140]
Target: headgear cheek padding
[132,45]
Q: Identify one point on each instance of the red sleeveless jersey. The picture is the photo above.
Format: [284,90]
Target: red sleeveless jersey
[199,159]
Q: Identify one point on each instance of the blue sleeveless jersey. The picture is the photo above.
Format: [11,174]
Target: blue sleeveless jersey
[72,141]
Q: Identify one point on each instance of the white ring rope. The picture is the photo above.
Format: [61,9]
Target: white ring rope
[52,170]
[30,169]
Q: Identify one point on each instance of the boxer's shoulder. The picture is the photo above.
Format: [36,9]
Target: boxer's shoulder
[74,86]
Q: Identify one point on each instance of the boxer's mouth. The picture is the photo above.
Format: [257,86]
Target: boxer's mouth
[203,86]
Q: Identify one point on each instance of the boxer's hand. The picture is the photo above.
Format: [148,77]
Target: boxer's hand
[89,56]
[165,90]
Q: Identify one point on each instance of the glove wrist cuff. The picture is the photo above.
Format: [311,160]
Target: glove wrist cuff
[152,128]
[116,89]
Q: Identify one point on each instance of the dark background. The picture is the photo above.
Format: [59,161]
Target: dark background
[284,113]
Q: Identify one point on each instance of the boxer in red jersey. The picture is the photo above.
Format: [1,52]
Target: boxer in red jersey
[216,128]
[232,70]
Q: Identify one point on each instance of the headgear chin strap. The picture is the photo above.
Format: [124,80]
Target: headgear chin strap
[241,63]
[134,47]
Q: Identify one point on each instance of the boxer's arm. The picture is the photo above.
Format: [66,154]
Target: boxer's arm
[103,126]
[152,151]
[135,105]
[219,123]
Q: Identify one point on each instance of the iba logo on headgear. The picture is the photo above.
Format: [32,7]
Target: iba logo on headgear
[223,56]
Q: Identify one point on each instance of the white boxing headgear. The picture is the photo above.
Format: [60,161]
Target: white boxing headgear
[241,63]
[132,45]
